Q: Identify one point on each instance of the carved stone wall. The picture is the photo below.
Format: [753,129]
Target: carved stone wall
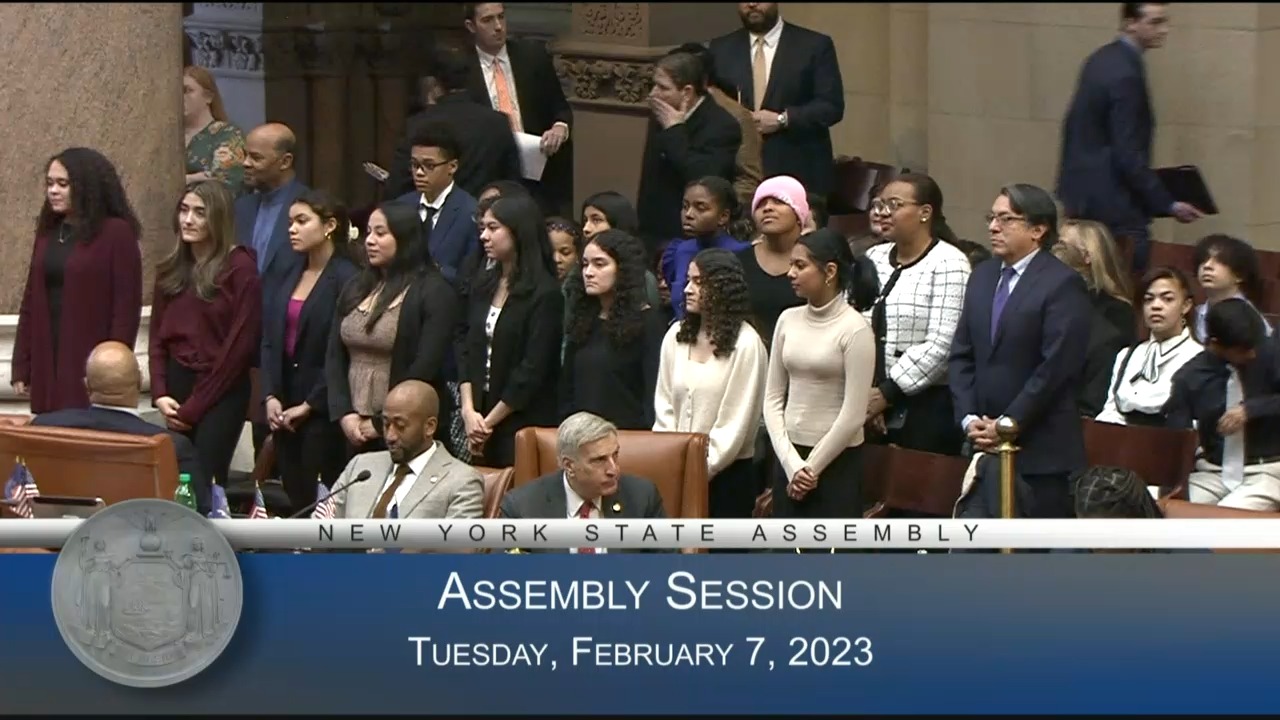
[226,39]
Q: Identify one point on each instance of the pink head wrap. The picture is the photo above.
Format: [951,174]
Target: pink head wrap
[788,190]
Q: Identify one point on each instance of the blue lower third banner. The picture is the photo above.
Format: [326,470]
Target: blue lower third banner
[743,634]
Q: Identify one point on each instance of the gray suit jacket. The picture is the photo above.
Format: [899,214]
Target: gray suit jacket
[446,488]
[636,498]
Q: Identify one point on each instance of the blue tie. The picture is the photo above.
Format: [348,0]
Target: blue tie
[1002,297]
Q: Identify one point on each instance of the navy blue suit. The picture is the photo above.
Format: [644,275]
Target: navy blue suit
[1105,169]
[455,235]
[279,259]
[1030,370]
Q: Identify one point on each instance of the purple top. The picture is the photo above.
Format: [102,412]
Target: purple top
[676,259]
[291,325]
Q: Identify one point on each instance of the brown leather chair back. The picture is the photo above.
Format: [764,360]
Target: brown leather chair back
[1163,457]
[497,481]
[89,463]
[15,419]
[914,481]
[675,462]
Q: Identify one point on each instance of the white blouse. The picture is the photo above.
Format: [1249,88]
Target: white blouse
[722,397]
[1143,383]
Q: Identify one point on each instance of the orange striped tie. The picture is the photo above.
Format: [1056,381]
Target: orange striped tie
[505,103]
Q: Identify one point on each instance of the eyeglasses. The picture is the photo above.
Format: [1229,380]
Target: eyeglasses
[426,167]
[890,206]
[1003,219]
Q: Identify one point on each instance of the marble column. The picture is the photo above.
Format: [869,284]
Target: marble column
[226,39]
[117,90]
[606,65]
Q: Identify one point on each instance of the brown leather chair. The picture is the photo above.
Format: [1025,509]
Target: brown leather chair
[89,463]
[1163,457]
[675,462]
[15,419]
[1183,510]
[497,481]
[913,481]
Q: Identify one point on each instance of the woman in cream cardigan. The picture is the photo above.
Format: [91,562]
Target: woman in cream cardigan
[711,378]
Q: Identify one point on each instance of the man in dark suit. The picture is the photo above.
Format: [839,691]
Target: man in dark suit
[445,209]
[1018,351]
[590,485]
[1105,169]
[262,218]
[516,77]
[690,137]
[790,77]
[114,382]
[487,149]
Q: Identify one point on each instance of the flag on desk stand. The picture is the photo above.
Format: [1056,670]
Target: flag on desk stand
[21,489]
[324,503]
[220,507]
[259,511]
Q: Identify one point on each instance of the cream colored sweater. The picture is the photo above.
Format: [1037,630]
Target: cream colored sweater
[721,397]
[819,383]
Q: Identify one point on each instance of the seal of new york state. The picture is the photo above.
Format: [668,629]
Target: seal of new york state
[147,593]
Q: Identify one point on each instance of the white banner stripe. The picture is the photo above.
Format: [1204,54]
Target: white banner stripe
[729,534]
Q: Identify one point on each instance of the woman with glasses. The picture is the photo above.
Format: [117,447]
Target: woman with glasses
[922,286]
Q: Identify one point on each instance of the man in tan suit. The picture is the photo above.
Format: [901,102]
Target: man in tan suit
[415,477]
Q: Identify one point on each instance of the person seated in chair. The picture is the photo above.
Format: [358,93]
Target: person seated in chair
[114,382]
[415,477]
[1232,395]
[589,485]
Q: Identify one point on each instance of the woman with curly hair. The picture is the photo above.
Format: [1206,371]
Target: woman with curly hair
[84,282]
[611,359]
[711,378]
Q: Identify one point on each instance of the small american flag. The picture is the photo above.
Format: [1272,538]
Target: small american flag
[220,508]
[325,508]
[259,511]
[20,489]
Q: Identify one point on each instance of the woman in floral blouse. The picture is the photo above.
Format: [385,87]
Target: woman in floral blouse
[215,147]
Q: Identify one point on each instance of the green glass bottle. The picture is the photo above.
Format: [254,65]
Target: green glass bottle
[184,495]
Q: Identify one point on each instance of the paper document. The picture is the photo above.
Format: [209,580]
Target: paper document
[532,161]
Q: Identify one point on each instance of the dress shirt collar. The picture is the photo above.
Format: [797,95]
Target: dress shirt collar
[119,408]
[770,38]
[419,463]
[271,197]
[1131,44]
[438,203]
[1021,266]
[573,501]
[488,59]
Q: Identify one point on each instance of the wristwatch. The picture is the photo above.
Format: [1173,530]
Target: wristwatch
[782,118]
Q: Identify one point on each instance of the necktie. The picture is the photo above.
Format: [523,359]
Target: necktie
[759,74]
[505,103]
[380,510]
[1233,445]
[584,512]
[1002,296]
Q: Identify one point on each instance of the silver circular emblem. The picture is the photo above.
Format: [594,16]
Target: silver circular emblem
[147,593]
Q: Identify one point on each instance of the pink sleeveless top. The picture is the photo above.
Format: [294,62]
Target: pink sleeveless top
[291,325]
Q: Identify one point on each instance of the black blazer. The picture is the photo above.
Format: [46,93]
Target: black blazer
[307,381]
[545,497]
[280,257]
[525,360]
[1105,342]
[1199,397]
[487,149]
[123,421]
[1029,372]
[706,143]
[542,104]
[423,338]
[804,81]
[1104,172]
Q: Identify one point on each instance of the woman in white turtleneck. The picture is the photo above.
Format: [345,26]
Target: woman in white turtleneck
[1143,374]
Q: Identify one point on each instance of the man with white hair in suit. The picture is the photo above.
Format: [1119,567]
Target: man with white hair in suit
[415,477]
[589,484]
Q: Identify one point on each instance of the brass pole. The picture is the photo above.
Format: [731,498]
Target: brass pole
[1007,430]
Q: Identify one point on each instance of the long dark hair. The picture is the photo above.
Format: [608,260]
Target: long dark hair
[533,265]
[725,302]
[96,194]
[855,274]
[625,322]
[618,210]
[411,262]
